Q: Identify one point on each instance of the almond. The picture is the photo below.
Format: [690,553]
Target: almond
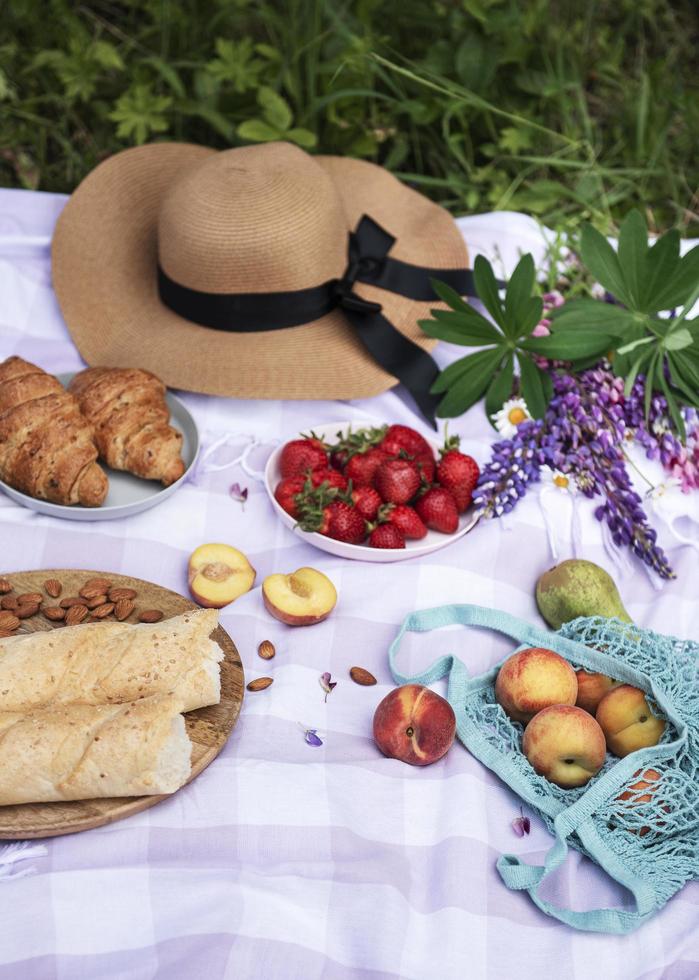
[123,608]
[26,609]
[150,616]
[53,587]
[361,676]
[9,602]
[91,591]
[6,633]
[99,612]
[266,650]
[54,613]
[71,600]
[30,597]
[8,620]
[116,594]
[103,584]
[5,586]
[75,615]
[259,684]
[98,600]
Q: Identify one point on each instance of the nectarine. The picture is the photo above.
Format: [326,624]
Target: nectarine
[414,724]
[592,688]
[565,744]
[218,574]
[627,721]
[534,679]
[635,796]
[303,598]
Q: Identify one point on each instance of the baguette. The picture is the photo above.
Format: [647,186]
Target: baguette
[80,752]
[109,663]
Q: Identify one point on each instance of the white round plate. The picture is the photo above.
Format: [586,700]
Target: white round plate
[127,494]
[359,552]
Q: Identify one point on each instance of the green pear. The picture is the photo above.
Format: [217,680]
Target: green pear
[577,588]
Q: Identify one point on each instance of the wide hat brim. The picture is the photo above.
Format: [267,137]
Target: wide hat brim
[104,262]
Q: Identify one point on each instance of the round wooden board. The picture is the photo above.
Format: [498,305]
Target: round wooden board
[208,728]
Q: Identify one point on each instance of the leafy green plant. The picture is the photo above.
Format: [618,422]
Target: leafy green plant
[276,122]
[647,281]
[490,371]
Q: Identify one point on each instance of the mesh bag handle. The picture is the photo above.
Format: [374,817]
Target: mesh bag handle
[516,874]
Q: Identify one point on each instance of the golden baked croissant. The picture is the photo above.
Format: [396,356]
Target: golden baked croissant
[127,408]
[46,445]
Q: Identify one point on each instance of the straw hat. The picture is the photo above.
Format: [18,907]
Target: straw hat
[162,253]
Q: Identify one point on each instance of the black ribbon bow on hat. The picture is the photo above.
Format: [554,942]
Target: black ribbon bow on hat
[368,262]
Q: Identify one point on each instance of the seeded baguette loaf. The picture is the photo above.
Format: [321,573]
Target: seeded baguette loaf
[109,663]
[47,449]
[80,752]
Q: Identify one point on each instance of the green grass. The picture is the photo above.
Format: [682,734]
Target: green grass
[567,110]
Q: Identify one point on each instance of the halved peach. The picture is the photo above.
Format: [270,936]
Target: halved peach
[218,574]
[303,598]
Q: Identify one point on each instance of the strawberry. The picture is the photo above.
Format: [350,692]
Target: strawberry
[367,501]
[329,476]
[458,472]
[437,508]
[426,465]
[386,536]
[342,522]
[402,437]
[398,480]
[361,469]
[302,455]
[286,492]
[405,518]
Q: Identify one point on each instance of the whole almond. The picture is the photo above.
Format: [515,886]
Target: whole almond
[30,597]
[103,584]
[9,602]
[75,615]
[53,587]
[6,633]
[71,600]
[259,684]
[5,586]
[116,594]
[150,616]
[26,609]
[98,600]
[8,620]
[99,612]
[266,650]
[54,613]
[361,676]
[123,608]
[91,591]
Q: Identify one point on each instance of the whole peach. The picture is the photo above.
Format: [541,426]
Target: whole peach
[592,688]
[534,679]
[634,795]
[627,721]
[565,744]
[414,724]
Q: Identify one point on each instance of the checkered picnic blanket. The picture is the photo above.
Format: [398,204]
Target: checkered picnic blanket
[284,860]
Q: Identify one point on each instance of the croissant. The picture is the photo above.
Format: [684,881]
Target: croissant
[127,408]
[46,445]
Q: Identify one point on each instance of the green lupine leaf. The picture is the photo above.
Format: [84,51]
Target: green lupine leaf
[449,296]
[678,339]
[302,137]
[472,363]
[689,391]
[569,345]
[469,386]
[487,289]
[500,388]
[675,413]
[650,384]
[258,131]
[531,312]
[680,287]
[688,364]
[660,266]
[635,368]
[591,314]
[603,262]
[275,109]
[532,386]
[459,329]
[633,247]
[519,290]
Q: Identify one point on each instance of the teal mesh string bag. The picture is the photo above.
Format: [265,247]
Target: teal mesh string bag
[649,841]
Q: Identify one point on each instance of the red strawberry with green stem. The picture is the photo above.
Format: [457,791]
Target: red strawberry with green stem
[402,437]
[366,500]
[361,469]
[332,477]
[386,536]
[286,492]
[437,508]
[301,455]
[458,473]
[398,480]
[405,518]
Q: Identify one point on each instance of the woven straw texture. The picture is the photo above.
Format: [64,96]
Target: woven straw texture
[264,218]
[649,839]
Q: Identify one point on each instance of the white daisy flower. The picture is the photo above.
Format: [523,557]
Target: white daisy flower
[512,414]
[565,482]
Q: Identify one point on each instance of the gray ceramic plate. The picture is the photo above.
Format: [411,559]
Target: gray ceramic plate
[127,494]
